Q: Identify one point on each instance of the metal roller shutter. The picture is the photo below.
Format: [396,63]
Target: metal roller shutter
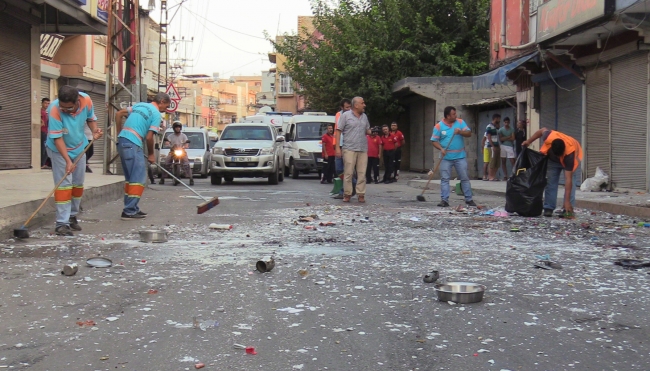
[15,115]
[598,151]
[45,88]
[99,105]
[569,106]
[547,110]
[629,121]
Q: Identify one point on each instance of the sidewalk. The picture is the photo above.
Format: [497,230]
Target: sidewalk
[632,204]
[23,193]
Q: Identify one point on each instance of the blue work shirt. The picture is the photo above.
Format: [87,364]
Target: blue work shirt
[143,117]
[70,126]
[443,133]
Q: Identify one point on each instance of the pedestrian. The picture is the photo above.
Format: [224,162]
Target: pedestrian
[142,123]
[329,155]
[452,129]
[520,135]
[507,137]
[374,149]
[564,153]
[45,102]
[67,117]
[91,149]
[354,125]
[344,106]
[388,153]
[492,135]
[400,141]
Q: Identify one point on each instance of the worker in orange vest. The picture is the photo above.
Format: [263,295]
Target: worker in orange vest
[564,153]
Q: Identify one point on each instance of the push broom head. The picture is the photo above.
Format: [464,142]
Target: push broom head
[207,205]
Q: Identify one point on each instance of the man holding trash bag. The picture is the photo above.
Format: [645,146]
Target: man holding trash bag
[564,153]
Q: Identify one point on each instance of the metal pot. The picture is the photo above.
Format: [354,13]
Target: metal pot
[460,292]
[152,235]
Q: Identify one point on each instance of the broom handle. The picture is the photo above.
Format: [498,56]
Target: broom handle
[74,164]
[435,169]
[186,186]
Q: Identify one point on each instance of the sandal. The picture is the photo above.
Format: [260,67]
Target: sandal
[485,179]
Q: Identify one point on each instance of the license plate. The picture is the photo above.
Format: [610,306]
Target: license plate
[240,159]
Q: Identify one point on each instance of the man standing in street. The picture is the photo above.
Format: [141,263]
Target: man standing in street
[338,162]
[329,155]
[45,102]
[67,117]
[142,123]
[506,137]
[492,134]
[388,143]
[399,143]
[564,153]
[449,133]
[354,126]
[374,148]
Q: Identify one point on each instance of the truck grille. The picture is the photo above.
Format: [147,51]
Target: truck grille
[241,152]
[241,164]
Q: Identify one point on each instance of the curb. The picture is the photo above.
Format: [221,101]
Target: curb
[634,211]
[15,215]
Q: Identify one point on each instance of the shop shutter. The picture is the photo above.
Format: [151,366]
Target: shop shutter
[99,104]
[569,106]
[15,97]
[598,151]
[629,121]
[45,88]
[547,110]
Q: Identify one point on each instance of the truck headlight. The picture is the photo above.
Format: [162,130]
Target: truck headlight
[304,153]
[266,151]
[217,151]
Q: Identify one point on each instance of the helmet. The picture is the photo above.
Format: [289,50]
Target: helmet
[177,123]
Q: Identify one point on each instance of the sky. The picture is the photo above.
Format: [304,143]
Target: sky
[228,34]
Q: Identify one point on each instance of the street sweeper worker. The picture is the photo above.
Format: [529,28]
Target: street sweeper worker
[142,123]
[66,142]
[564,153]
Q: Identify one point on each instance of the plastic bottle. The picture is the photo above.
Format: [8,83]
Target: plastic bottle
[221,227]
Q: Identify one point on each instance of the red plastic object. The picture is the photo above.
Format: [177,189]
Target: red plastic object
[250,350]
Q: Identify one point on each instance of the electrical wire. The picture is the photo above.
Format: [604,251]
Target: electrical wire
[229,29]
[551,75]
[645,15]
[227,43]
[234,69]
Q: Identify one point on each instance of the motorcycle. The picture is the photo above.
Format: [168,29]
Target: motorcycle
[178,153]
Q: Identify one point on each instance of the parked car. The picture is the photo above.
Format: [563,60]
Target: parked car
[303,147]
[277,119]
[248,150]
[198,152]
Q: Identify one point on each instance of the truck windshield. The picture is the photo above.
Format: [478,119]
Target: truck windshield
[246,133]
[311,130]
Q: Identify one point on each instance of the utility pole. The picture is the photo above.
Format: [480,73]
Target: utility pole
[163,55]
[194,109]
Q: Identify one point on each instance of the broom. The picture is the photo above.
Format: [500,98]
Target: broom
[420,197]
[202,207]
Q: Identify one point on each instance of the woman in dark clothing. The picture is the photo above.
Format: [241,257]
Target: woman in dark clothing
[520,135]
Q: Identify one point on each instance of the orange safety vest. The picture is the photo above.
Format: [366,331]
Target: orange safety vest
[571,146]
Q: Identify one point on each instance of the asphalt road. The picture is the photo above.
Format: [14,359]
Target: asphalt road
[342,297]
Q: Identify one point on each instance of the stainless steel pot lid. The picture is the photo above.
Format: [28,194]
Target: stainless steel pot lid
[99,262]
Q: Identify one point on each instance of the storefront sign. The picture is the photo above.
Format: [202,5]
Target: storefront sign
[49,45]
[99,10]
[83,5]
[558,16]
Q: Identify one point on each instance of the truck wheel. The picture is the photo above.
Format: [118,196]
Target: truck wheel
[294,171]
[273,178]
[281,173]
[215,179]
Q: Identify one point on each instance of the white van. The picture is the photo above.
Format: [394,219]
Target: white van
[303,147]
[277,119]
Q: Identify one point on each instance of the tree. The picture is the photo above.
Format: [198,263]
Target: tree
[362,47]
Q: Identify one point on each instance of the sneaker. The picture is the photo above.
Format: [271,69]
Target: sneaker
[63,230]
[443,203]
[142,213]
[131,217]
[548,212]
[471,203]
[88,169]
[338,197]
[162,181]
[191,182]
[74,224]
[376,181]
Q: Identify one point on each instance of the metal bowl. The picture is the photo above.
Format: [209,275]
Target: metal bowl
[152,235]
[460,292]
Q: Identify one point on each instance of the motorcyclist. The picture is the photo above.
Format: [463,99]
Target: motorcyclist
[177,140]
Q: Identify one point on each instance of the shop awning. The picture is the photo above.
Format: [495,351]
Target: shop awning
[489,101]
[498,76]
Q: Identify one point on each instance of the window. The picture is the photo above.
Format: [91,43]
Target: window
[311,130]
[285,84]
[246,133]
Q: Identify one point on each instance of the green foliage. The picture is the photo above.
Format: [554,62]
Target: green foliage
[363,47]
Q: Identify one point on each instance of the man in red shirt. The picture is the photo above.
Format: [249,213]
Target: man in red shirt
[329,155]
[388,142]
[374,147]
[399,143]
[45,102]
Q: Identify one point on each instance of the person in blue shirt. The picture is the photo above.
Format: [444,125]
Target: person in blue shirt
[65,143]
[452,129]
[142,123]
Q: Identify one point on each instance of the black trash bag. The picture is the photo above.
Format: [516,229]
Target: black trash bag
[525,188]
